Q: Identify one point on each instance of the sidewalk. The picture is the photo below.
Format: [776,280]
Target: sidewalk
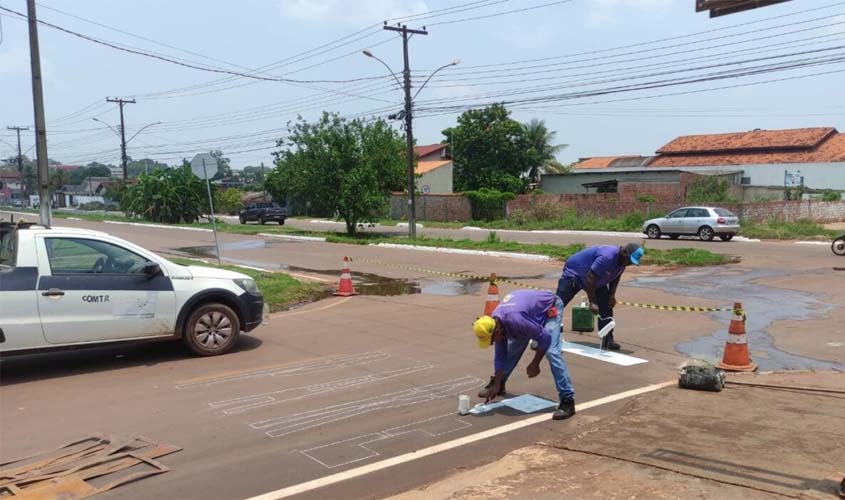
[744,442]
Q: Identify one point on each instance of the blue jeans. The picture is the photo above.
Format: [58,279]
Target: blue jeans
[516,347]
[567,288]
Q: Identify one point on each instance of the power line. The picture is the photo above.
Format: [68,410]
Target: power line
[188,65]
[503,13]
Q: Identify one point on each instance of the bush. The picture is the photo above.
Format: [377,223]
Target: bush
[831,195]
[488,204]
[171,196]
[708,189]
[96,205]
[229,201]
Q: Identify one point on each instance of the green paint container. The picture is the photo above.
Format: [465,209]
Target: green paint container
[583,320]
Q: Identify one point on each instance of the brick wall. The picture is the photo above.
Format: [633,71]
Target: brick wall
[818,211]
[434,207]
[456,207]
[605,205]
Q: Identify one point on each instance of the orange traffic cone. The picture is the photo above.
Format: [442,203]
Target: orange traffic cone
[736,358]
[492,296]
[345,289]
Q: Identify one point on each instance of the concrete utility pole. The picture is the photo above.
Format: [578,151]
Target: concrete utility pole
[409,124]
[40,126]
[20,162]
[121,102]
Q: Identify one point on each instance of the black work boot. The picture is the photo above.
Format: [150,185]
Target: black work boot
[486,389]
[565,409]
[608,343]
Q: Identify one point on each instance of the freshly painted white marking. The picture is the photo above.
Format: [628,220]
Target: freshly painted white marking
[601,354]
[472,228]
[812,243]
[293,237]
[405,224]
[746,240]
[73,218]
[836,344]
[314,484]
[320,221]
[461,251]
[618,234]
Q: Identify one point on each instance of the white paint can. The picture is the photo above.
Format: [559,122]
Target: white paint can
[463,404]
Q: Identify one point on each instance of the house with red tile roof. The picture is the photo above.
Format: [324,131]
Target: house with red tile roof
[761,160]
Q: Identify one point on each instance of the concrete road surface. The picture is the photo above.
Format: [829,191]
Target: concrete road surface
[350,382]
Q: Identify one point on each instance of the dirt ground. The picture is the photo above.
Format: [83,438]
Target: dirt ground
[744,442]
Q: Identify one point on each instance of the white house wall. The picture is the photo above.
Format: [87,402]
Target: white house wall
[439,180]
[816,175]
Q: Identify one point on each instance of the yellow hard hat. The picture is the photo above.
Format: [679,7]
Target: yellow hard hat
[483,328]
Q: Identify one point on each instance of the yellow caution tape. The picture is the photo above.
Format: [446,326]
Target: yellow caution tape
[497,280]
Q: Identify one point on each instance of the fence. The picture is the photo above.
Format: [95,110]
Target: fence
[456,207]
[434,207]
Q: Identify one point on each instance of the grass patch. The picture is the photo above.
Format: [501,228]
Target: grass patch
[684,257]
[280,290]
[556,251]
[779,230]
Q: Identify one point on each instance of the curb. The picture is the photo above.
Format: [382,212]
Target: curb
[292,237]
[461,251]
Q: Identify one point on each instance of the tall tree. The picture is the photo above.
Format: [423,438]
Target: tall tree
[543,148]
[489,150]
[340,167]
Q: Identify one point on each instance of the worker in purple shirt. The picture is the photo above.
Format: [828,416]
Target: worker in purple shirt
[597,271]
[523,316]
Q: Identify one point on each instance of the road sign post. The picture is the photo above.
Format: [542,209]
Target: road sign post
[199,161]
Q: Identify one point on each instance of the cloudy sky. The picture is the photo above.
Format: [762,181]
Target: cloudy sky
[610,76]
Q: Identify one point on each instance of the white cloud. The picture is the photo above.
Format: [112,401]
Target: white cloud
[352,11]
[604,11]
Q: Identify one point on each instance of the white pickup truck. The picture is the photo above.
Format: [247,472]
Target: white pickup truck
[64,287]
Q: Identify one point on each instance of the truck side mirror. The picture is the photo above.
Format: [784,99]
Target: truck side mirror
[151,269]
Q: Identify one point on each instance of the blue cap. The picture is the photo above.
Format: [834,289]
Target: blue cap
[636,255]
[635,252]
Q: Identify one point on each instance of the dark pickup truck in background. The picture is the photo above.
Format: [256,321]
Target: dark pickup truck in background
[262,213]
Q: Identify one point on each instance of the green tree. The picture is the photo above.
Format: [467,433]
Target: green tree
[224,169]
[79,175]
[170,196]
[544,150]
[340,167]
[489,150]
[708,189]
[229,201]
[58,178]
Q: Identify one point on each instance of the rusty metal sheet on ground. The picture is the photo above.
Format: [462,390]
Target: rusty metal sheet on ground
[65,472]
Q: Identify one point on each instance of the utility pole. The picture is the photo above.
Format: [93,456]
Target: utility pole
[121,102]
[40,123]
[20,163]
[409,135]
[263,189]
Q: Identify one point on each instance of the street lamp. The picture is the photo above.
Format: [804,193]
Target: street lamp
[123,142]
[409,136]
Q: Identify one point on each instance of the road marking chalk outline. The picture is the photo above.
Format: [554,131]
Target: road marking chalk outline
[332,479]
[293,237]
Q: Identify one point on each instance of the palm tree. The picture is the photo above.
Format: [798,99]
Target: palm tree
[541,139]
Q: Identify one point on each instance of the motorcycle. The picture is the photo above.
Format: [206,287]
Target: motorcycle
[838,245]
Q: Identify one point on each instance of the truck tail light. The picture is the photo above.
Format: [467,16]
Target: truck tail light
[720,220]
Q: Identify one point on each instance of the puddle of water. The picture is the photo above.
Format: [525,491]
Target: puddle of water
[365,283]
[764,305]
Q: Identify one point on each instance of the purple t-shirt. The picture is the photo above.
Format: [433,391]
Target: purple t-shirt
[602,260]
[523,314]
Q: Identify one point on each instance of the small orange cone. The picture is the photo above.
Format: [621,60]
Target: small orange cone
[345,289]
[492,296]
[736,358]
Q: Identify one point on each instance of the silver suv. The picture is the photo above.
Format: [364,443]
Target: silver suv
[704,222]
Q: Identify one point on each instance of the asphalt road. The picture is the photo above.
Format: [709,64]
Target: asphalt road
[349,382]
